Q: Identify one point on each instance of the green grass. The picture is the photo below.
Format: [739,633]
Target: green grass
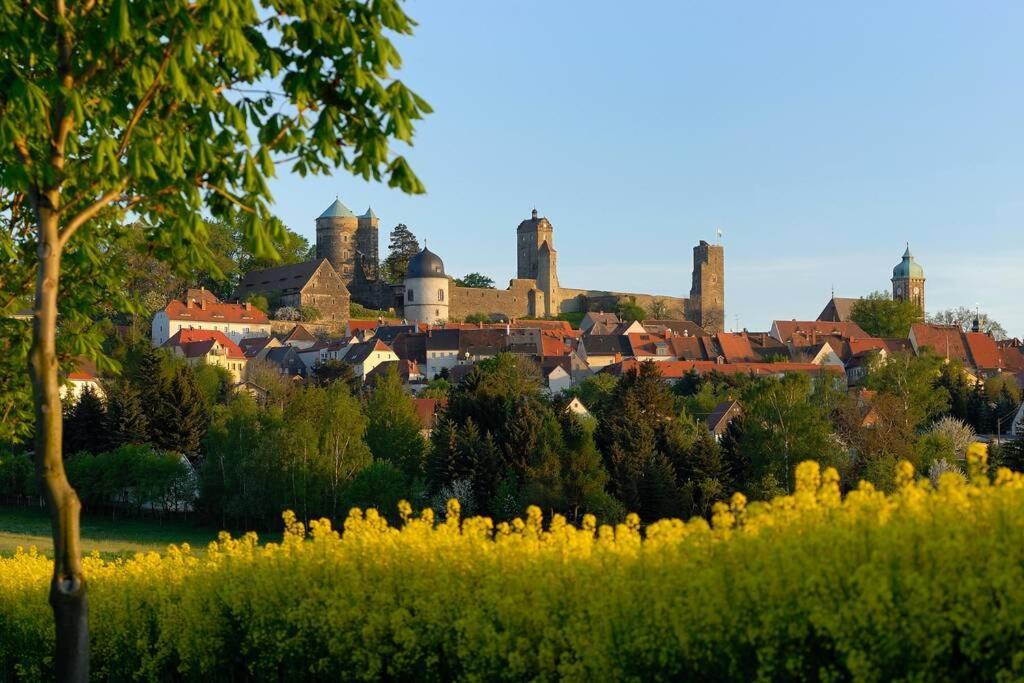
[113,538]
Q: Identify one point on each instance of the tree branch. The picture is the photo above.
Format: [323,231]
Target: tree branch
[140,108]
[90,211]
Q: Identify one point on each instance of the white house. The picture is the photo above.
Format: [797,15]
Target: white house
[442,351]
[205,312]
[366,356]
[83,377]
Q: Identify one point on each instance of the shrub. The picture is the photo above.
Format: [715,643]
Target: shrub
[922,584]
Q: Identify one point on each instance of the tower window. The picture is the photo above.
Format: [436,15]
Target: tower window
[409,297]
[440,295]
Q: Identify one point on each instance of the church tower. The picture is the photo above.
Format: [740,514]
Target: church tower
[908,280]
[530,236]
[707,293]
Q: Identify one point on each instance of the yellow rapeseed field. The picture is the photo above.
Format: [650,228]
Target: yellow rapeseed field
[922,584]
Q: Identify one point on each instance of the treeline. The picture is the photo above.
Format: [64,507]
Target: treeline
[173,437]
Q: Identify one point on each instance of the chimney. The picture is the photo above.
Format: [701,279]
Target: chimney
[188,302]
[248,306]
[202,304]
[814,337]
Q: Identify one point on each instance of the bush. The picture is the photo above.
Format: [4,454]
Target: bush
[923,584]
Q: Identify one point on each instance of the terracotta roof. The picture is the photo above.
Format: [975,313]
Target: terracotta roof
[945,341]
[983,349]
[676,369]
[427,410]
[736,348]
[1012,358]
[649,345]
[693,348]
[543,324]
[197,343]
[553,346]
[812,328]
[84,371]
[216,313]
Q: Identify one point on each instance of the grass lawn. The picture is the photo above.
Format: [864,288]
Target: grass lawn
[20,526]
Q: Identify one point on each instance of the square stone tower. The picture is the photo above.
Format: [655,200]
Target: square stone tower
[367,236]
[530,235]
[707,293]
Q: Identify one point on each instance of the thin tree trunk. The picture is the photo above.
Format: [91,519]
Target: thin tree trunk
[67,587]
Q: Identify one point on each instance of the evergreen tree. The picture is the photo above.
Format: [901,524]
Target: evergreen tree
[181,416]
[659,494]
[979,412]
[583,475]
[736,460]
[393,429]
[82,423]
[706,470]
[126,421]
[403,247]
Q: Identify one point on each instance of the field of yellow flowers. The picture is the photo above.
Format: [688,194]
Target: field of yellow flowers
[922,584]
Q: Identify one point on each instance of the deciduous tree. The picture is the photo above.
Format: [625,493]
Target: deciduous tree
[880,316]
[170,111]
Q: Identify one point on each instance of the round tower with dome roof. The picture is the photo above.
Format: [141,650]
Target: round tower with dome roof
[908,280]
[426,289]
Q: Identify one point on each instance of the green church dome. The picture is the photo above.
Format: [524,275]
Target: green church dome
[908,268]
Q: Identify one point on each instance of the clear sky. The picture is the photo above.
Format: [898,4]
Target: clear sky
[819,138]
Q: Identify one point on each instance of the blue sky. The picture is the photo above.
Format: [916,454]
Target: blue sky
[819,138]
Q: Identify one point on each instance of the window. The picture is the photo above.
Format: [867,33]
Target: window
[409,298]
[440,295]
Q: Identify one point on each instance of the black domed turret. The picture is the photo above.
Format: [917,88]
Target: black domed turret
[425,264]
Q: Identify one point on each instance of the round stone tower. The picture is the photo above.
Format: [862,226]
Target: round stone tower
[336,239]
[426,289]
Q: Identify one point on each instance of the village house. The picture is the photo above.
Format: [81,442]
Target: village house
[82,378]
[365,356]
[200,310]
[599,350]
[211,347]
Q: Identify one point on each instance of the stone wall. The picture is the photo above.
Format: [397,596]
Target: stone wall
[514,302]
[582,300]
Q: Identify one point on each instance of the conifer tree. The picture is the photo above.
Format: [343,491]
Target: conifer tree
[82,424]
[583,476]
[126,421]
[403,247]
[181,417]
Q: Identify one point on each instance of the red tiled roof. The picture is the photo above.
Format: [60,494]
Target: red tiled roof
[359,325]
[736,348]
[197,343]
[219,313]
[945,341]
[552,346]
[84,371]
[812,328]
[984,352]
[427,410]
[1012,358]
[675,369]
[647,345]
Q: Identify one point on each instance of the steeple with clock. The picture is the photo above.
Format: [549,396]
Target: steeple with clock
[908,280]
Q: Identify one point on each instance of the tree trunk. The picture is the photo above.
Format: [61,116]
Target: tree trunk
[67,587]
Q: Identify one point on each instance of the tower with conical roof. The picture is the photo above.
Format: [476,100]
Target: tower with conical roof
[348,241]
[908,280]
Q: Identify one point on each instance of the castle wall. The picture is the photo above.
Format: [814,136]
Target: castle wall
[582,300]
[514,302]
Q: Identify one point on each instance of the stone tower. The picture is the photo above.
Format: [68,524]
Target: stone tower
[367,235]
[336,239]
[908,280]
[530,235]
[707,293]
[547,280]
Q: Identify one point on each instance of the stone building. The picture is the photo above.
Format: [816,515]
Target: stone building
[536,290]
[315,284]
[908,280]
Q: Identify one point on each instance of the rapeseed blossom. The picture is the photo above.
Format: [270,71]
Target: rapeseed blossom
[925,583]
